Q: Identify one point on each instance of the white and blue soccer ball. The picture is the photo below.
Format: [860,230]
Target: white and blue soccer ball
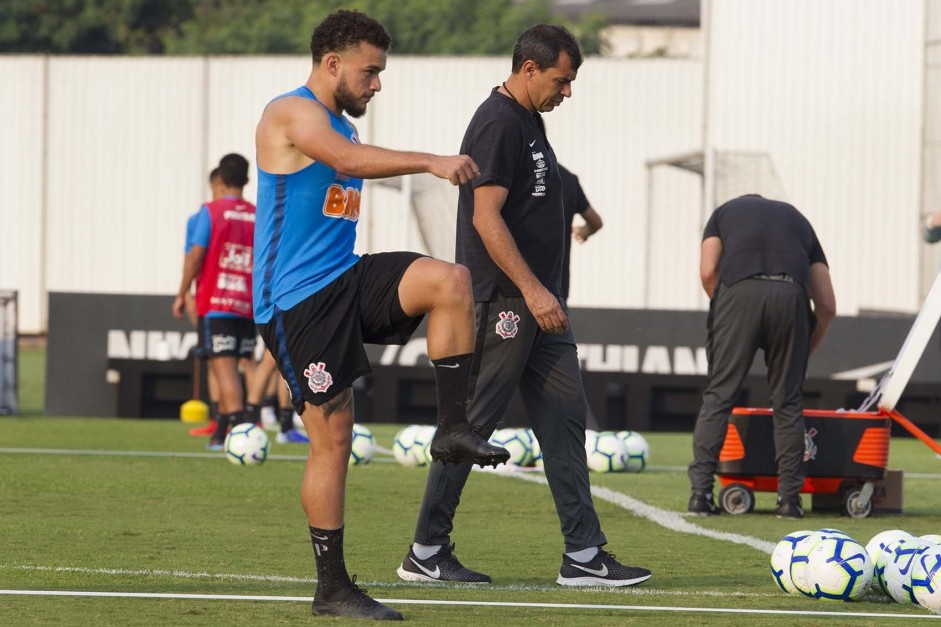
[519,442]
[363,445]
[411,445]
[781,559]
[800,557]
[899,564]
[926,579]
[838,569]
[638,450]
[875,548]
[606,453]
[404,447]
[933,538]
[247,445]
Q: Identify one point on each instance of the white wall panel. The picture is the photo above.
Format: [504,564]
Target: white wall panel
[125,169]
[21,149]
[832,90]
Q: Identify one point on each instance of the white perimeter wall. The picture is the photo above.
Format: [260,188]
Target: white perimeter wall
[103,159]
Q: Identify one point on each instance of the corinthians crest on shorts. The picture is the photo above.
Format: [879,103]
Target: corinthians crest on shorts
[506,325]
[318,379]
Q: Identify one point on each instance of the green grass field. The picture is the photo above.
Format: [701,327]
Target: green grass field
[137,507]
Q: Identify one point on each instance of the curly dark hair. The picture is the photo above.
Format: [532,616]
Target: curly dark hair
[344,29]
[542,44]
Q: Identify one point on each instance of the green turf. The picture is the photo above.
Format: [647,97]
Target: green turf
[199,525]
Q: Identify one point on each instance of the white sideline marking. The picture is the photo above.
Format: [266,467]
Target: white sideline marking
[664,518]
[557,606]
[120,572]
[113,453]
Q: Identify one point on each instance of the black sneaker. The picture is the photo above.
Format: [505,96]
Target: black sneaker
[460,443]
[703,504]
[790,507]
[604,570]
[352,602]
[442,566]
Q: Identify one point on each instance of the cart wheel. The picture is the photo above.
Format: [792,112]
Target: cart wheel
[855,503]
[737,498]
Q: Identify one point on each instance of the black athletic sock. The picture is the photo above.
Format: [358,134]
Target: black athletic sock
[252,413]
[452,377]
[270,401]
[286,419]
[213,410]
[224,423]
[328,555]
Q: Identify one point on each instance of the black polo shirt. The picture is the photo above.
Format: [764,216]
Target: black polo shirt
[761,236]
[508,144]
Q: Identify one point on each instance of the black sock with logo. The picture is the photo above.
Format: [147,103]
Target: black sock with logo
[252,413]
[452,378]
[270,401]
[286,419]
[328,555]
[224,423]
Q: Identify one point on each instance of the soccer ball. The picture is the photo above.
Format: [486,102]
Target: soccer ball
[875,548]
[838,569]
[410,447]
[364,445]
[926,579]
[800,557]
[247,445]
[900,559]
[781,559]
[638,451]
[518,442]
[606,453]
[932,538]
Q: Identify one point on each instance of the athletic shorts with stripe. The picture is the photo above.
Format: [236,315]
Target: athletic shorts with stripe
[227,336]
[318,343]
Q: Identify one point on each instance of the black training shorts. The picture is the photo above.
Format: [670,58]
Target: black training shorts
[225,337]
[318,343]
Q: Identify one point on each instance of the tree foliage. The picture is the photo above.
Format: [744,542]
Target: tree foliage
[197,27]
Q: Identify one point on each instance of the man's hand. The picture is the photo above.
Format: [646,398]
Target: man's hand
[546,310]
[179,307]
[581,233]
[458,169]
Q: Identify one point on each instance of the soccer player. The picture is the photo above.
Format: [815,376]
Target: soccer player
[221,259]
[215,187]
[511,234]
[317,302]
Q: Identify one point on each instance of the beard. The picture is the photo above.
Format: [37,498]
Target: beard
[346,101]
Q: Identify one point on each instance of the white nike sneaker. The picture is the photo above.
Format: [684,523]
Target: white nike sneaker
[603,570]
[442,566]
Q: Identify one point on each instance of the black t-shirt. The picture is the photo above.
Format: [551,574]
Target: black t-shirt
[508,144]
[761,236]
[573,201]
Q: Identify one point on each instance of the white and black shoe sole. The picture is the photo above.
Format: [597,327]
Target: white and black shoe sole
[599,581]
[407,575]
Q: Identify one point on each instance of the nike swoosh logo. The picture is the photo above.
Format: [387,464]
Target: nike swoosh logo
[449,365]
[314,535]
[434,574]
[601,572]
[531,143]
